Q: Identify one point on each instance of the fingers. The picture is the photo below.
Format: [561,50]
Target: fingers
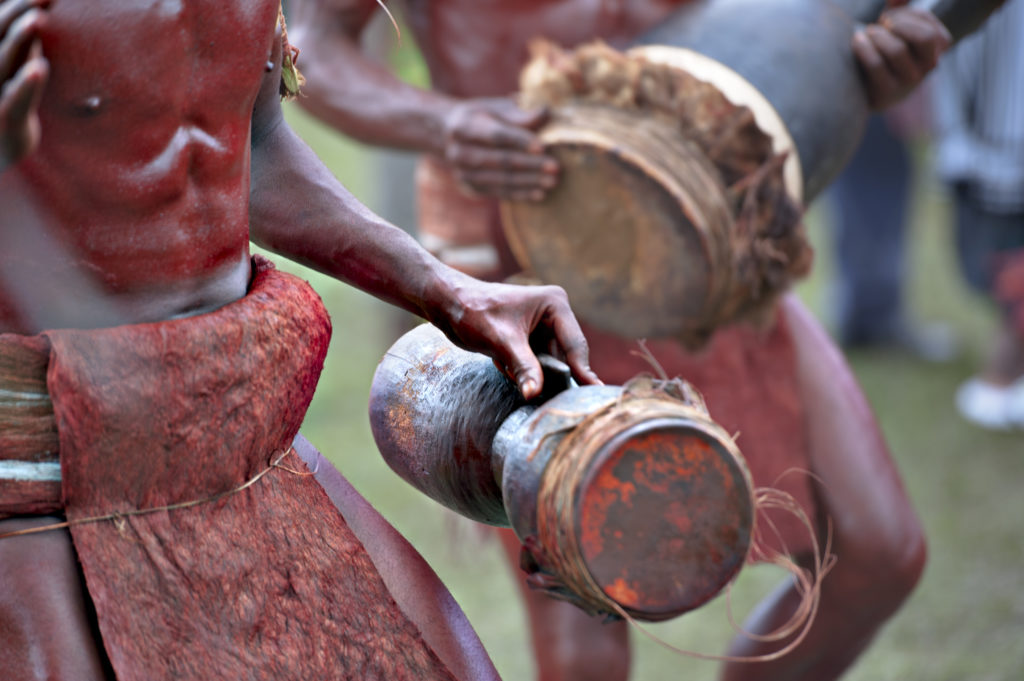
[509,117]
[530,119]
[18,35]
[523,365]
[494,151]
[501,136]
[19,100]
[925,35]
[554,329]
[525,320]
[472,157]
[11,10]
[506,184]
[897,53]
[880,83]
[569,340]
[483,127]
[22,93]
[503,173]
[896,57]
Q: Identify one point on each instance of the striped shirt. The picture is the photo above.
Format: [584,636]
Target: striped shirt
[979,112]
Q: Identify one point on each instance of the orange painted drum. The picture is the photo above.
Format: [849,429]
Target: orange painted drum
[628,500]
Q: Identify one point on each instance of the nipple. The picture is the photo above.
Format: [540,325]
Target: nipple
[89,106]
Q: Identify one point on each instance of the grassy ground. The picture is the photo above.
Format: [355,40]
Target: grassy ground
[965,621]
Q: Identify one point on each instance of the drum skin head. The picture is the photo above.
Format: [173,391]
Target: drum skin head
[675,211]
[620,244]
[665,518]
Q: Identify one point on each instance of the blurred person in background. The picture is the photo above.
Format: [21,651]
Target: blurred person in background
[869,205]
[786,389]
[979,125]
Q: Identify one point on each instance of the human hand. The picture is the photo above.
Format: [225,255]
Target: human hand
[512,324]
[898,52]
[23,74]
[491,145]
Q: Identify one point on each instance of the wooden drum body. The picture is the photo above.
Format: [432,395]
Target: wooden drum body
[628,500]
[625,230]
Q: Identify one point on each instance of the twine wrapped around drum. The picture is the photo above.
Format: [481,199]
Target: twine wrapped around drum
[672,216]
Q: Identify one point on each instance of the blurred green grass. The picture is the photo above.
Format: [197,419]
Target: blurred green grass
[966,619]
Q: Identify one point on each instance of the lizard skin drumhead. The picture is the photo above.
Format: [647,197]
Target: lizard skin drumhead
[630,239]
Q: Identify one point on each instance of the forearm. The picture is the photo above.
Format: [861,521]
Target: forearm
[351,92]
[298,209]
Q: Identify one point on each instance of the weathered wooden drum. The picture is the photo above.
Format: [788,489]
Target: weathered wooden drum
[640,215]
[687,161]
[628,500]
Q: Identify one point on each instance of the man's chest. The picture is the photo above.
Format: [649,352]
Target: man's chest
[477,47]
[565,21]
[107,51]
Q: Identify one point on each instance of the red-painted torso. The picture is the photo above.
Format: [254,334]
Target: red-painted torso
[138,193]
[476,48]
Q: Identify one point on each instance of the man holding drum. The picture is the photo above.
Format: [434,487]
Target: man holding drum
[786,389]
[157,519]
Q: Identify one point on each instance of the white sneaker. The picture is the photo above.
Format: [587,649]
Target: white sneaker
[1015,403]
[995,407]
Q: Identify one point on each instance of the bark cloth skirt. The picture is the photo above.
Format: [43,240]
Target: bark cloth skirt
[259,581]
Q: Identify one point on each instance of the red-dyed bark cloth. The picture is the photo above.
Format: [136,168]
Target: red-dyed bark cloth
[28,431]
[747,376]
[265,583]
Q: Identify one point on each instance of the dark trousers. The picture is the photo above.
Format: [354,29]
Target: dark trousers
[870,202]
[983,239]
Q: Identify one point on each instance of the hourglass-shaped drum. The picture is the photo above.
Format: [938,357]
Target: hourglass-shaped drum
[628,500]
